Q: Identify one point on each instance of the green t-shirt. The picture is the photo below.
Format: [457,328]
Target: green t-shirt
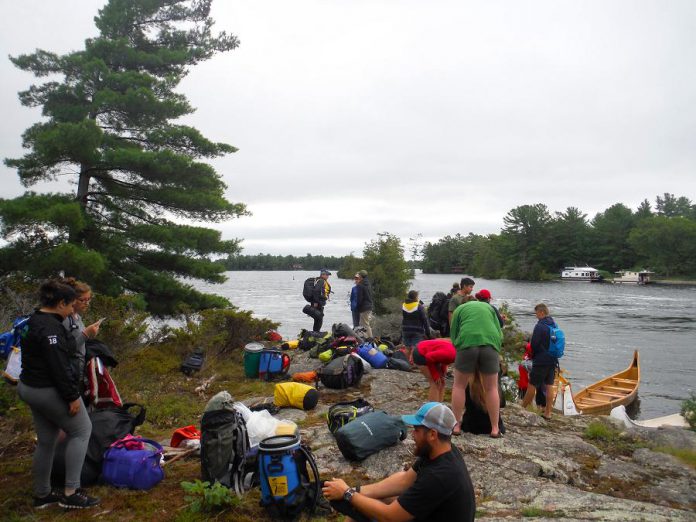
[475,324]
[455,301]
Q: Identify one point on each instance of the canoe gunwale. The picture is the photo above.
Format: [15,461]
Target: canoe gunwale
[602,406]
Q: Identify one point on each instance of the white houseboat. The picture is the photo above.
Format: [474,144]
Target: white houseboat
[580,273]
[641,277]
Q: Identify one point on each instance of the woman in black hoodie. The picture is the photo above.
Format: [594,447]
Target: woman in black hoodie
[49,385]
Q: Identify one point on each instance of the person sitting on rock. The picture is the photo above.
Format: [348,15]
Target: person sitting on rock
[437,488]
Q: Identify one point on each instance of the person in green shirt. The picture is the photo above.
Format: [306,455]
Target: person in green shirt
[477,337]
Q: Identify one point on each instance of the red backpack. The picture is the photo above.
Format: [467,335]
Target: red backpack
[101,390]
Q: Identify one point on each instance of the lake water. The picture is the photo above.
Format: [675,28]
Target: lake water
[603,323]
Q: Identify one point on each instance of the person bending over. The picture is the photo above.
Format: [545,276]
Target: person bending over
[432,358]
[436,489]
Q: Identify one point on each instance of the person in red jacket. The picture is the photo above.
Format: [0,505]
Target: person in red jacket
[432,358]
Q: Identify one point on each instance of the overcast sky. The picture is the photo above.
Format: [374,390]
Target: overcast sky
[434,117]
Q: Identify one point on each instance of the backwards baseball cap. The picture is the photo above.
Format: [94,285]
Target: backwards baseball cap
[483,294]
[324,271]
[433,415]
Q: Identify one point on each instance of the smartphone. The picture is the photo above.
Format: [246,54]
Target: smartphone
[100,321]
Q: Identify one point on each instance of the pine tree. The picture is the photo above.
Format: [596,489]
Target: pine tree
[109,127]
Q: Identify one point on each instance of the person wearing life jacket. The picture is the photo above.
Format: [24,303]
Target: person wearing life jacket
[414,323]
[320,295]
[432,357]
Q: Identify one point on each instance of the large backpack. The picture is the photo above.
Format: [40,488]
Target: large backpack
[370,433]
[224,445]
[273,364]
[308,288]
[309,340]
[342,413]
[556,341]
[342,372]
[438,311]
[108,426]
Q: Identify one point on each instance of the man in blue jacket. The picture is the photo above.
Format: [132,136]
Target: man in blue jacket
[364,301]
[543,363]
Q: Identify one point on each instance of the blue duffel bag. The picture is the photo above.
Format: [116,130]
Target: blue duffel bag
[373,355]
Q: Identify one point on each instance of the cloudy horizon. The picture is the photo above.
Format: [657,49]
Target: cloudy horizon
[437,118]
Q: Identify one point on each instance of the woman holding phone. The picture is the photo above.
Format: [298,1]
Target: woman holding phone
[74,324]
[49,385]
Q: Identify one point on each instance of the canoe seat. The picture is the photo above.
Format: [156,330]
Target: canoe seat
[617,389]
[609,394]
[632,382]
[588,400]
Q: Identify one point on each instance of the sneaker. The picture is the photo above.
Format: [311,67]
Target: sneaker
[49,500]
[78,500]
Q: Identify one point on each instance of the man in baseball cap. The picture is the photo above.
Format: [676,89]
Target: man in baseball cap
[436,488]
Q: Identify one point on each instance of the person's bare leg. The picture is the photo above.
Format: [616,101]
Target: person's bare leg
[461,379]
[441,393]
[490,384]
[529,396]
[433,391]
[549,406]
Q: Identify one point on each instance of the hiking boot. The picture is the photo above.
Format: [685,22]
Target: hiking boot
[78,500]
[49,500]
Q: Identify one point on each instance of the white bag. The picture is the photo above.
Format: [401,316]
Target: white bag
[14,365]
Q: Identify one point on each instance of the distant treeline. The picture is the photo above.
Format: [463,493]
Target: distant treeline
[535,244]
[275,262]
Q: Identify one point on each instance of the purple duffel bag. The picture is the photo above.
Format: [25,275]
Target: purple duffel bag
[134,463]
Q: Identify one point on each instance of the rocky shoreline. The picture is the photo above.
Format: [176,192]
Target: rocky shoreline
[538,469]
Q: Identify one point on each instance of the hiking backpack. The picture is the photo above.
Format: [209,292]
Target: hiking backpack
[342,413]
[308,288]
[438,311]
[556,341]
[342,372]
[224,445]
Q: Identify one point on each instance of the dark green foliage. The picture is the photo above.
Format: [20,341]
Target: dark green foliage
[667,245]
[109,123]
[534,245]
[688,410]
[271,262]
[388,271]
[204,497]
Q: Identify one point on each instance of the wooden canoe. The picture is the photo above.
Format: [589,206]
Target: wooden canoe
[619,389]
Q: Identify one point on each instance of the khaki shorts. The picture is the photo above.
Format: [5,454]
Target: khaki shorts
[484,357]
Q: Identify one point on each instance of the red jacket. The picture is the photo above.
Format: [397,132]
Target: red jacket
[438,353]
[523,383]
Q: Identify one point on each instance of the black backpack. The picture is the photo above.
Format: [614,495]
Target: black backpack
[193,363]
[108,425]
[341,372]
[308,288]
[438,311]
[342,413]
[224,445]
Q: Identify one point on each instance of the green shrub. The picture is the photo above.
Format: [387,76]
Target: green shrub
[687,456]
[688,410]
[221,331]
[126,324]
[600,431]
[204,497]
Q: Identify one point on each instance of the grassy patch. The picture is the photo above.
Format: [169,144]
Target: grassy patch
[611,440]
[687,456]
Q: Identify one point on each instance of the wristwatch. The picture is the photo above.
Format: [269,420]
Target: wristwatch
[349,494]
